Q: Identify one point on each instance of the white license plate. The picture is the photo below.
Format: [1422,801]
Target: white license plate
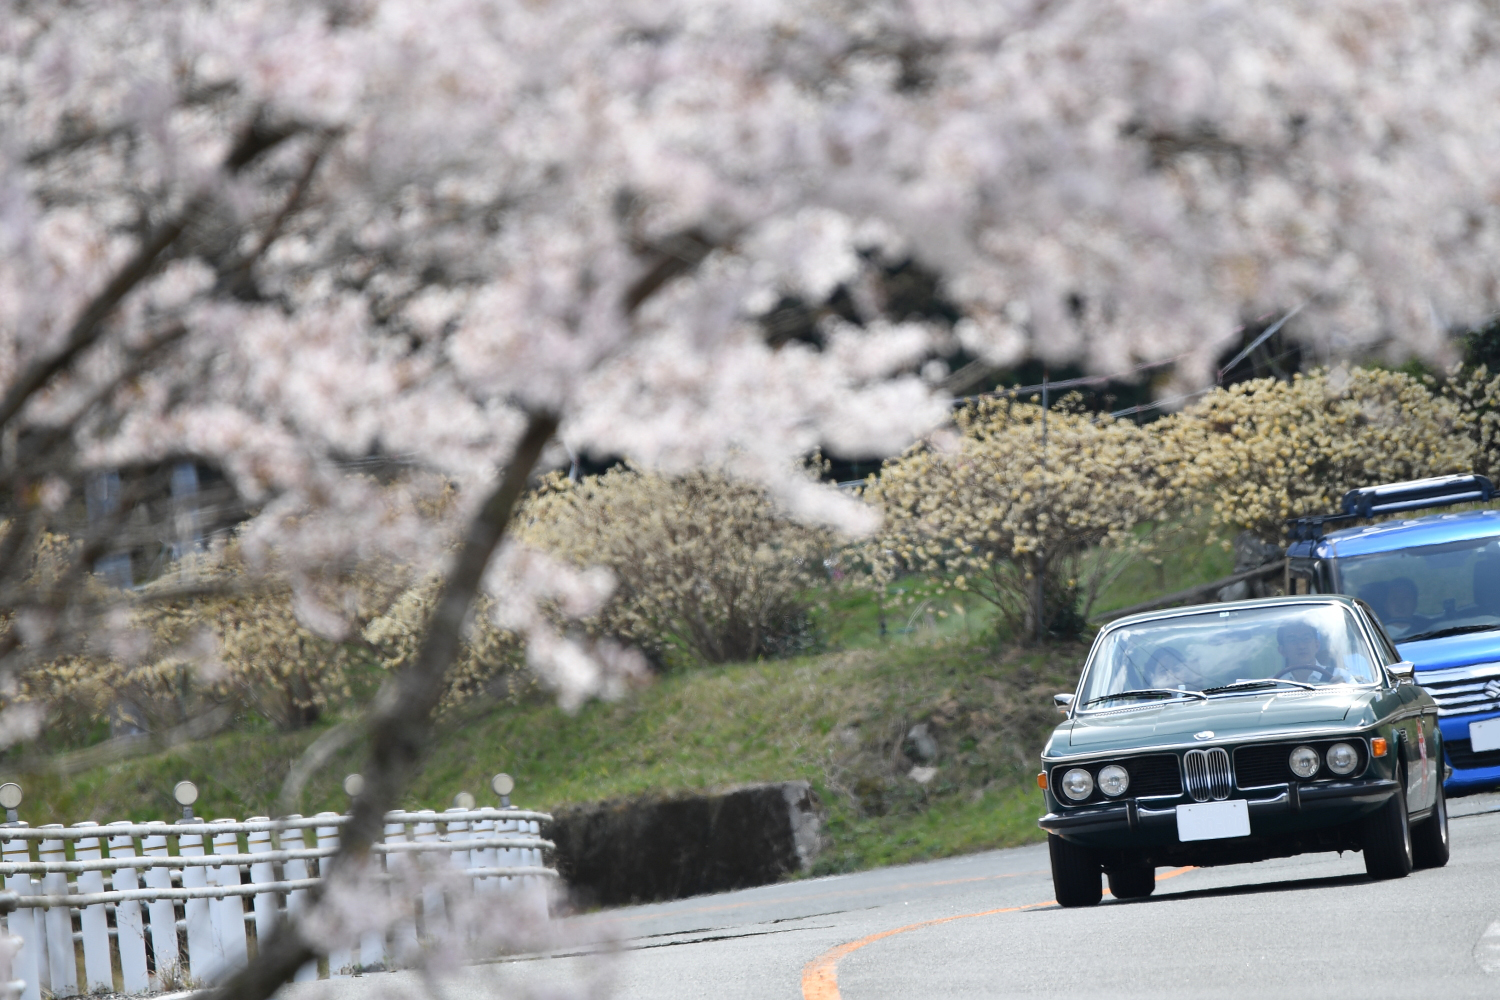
[1213,820]
[1484,735]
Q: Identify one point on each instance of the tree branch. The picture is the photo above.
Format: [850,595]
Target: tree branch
[402,722]
[256,139]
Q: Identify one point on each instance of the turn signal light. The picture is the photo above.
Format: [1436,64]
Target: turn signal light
[1378,746]
[1041,780]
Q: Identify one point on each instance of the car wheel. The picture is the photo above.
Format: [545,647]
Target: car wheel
[1386,835]
[1075,873]
[1429,838]
[1132,883]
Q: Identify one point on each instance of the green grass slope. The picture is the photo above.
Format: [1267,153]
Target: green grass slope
[838,719]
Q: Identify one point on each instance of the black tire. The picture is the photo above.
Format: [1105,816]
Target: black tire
[1132,883]
[1075,873]
[1386,835]
[1429,838]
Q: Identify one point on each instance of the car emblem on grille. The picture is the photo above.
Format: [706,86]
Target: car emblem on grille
[1493,688]
[1207,734]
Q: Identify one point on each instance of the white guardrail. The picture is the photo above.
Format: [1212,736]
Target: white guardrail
[174,913]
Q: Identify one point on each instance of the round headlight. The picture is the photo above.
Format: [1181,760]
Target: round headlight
[1303,762]
[1078,784]
[1342,758]
[1113,780]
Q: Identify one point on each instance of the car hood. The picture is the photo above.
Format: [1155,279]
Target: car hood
[1226,717]
[1454,651]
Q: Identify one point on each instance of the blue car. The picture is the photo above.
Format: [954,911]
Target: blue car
[1434,583]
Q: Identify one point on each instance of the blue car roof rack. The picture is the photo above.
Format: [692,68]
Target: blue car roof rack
[1392,498]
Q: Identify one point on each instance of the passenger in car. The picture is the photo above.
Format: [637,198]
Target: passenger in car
[1168,668]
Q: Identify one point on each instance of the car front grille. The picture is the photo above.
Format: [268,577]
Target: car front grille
[1462,755]
[1266,764]
[1157,774]
[1208,774]
[1464,690]
[1255,767]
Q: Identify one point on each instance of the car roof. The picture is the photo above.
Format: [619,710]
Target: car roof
[1388,536]
[1261,602]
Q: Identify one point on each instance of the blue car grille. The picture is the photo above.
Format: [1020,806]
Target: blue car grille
[1461,754]
[1464,690]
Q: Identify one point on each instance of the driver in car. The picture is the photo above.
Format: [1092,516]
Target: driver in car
[1401,603]
[1299,644]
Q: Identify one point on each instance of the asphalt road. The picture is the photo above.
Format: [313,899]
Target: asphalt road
[985,926]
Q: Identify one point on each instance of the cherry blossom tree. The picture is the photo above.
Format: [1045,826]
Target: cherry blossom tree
[275,237]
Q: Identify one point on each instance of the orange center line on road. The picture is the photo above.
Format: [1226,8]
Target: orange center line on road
[820,977]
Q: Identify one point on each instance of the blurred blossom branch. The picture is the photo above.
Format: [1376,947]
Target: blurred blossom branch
[349,260]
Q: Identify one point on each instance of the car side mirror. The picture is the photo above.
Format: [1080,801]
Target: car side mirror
[1404,672]
[1064,702]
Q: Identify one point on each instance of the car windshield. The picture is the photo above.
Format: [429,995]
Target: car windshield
[1428,590]
[1283,646]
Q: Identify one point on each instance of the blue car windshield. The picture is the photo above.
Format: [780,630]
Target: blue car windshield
[1428,590]
[1278,647]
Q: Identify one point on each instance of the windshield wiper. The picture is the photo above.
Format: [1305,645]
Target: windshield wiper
[1443,633]
[1252,685]
[1147,693]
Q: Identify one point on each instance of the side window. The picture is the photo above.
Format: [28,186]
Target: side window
[1384,648]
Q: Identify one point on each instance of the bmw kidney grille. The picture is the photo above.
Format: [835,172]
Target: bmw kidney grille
[1208,775]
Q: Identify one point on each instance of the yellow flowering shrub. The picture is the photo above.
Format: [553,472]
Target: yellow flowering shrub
[998,508]
[1263,451]
[703,564]
[1476,395]
[231,640]
[491,660]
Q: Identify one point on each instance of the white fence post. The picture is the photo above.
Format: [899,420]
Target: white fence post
[204,957]
[22,923]
[95,925]
[340,960]
[162,914]
[458,832]
[262,872]
[231,908]
[403,946]
[296,900]
[424,831]
[61,961]
[537,888]
[510,857]
[130,935]
[98,971]
[484,857]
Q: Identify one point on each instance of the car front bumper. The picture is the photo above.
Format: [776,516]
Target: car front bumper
[1273,813]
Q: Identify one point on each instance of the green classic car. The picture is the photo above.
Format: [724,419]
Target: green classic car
[1227,733]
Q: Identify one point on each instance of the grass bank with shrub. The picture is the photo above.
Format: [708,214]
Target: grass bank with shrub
[838,719]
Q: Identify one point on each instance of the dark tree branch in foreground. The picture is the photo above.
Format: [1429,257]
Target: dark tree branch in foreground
[402,722]
[86,330]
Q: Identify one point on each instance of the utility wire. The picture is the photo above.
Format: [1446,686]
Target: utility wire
[1021,390]
[1258,341]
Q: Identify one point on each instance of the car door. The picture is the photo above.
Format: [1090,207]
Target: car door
[1416,729]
